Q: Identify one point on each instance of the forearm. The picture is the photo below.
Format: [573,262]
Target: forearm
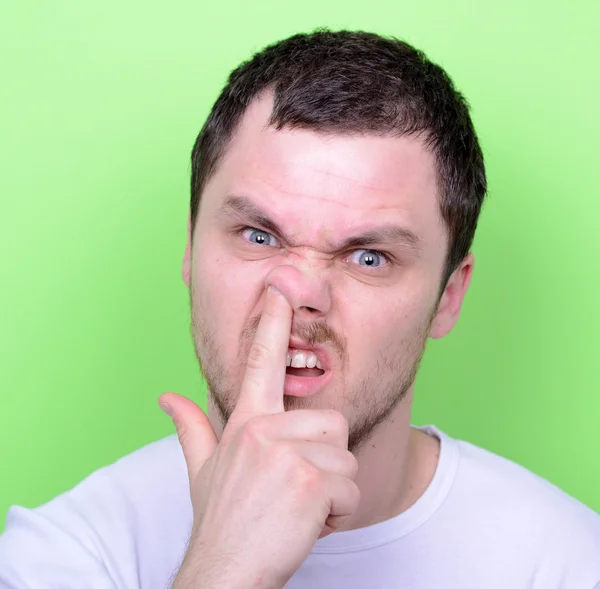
[202,569]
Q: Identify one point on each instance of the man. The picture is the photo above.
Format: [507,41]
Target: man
[336,187]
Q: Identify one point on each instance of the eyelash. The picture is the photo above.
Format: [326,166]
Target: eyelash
[385,256]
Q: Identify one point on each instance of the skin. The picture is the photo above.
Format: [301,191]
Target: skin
[374,321]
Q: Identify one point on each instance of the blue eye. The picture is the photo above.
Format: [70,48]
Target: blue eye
[370,258]
[259,237]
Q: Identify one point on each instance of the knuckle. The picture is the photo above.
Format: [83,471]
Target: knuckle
[183,431]
[354,493]
[285,455]
[351,465]
[254,430]
[258,355]
[337,422]
[308,479]
[270,312]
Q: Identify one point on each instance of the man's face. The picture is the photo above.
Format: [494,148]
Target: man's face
[366,307]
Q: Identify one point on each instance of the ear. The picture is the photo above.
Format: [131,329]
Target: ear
[452,299]
[186,266]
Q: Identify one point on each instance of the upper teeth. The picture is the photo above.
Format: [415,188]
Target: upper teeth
[302,359]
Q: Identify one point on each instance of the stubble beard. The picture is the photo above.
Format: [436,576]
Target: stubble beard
[367,404]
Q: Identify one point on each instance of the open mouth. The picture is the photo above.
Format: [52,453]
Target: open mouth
[303,363]
[304,371]
[308,372]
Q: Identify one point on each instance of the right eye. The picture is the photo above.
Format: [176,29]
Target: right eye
[260,237]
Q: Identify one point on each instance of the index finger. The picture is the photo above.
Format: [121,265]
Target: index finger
[262,388]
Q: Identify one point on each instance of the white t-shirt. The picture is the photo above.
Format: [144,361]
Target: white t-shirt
[483,523]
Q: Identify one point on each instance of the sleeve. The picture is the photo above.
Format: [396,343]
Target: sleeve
[38,551]
[125,526]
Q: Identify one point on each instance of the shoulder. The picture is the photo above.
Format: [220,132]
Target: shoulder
[528,513]
[143,490]
[150,471]
[147,489]
[503,481]
[160,464]
[131,518]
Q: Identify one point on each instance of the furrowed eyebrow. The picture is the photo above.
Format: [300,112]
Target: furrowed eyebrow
[244,208]
[390,234]
[386,234]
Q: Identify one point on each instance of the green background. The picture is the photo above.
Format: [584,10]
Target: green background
[99,106]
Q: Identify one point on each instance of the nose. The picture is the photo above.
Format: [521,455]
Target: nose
[307,292]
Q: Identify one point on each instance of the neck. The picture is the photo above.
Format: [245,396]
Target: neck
[396,465]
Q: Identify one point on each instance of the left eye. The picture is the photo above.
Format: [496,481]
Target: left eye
[259,237]
[368,258]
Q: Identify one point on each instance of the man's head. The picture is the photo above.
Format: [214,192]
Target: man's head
[343,168]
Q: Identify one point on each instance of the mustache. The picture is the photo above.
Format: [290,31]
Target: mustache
[316,333]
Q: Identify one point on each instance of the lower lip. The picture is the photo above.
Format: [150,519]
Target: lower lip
[304,386]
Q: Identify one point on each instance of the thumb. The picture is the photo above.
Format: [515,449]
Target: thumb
[194,430]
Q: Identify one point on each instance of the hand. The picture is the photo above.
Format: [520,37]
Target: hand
[276,481]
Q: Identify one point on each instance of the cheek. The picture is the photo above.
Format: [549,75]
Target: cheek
[226,294]
[382,326]
[222,270]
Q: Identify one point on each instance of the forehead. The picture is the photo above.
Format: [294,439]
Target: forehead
[322,186]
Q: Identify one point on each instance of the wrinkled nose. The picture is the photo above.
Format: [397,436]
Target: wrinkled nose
[306,289]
